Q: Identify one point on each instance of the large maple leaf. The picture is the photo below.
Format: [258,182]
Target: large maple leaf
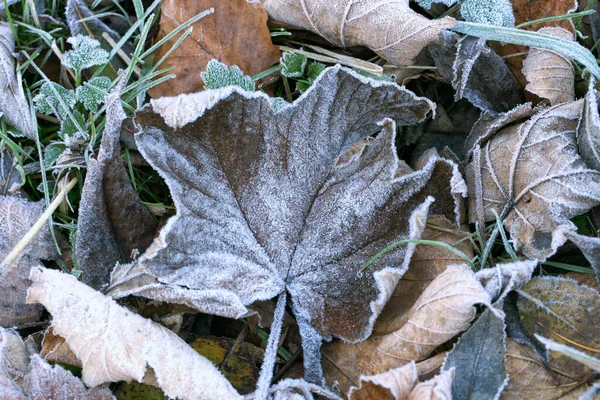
[265,205]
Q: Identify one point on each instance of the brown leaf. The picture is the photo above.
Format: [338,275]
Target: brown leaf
[274,211]
[8,388]
[116,345]
[17,215]
[529,379]
[389,28]
[395,384]
[564,311]
[46,382]
[235,34]
[426,264]
[445,309]
[56,350]
[531,174]
[112,220]
[549,74]
[437,388]
[530,10]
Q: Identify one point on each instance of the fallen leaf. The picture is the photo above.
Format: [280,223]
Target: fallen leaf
[528,377]
[478,360]
[445,309]
[530,173]
[389,28]
[588,134]
[10,178]
[476,72]
[437,388]
[549,74]
[503,278]
[426,264]
[531,10]
[46,382]
[236,33]
[112,223]
[17,215]
[56,350]
[13,104]
[590,248]
[16,356]
[115,344]
[8,388]
[395,384]
[560,309]
[293,220]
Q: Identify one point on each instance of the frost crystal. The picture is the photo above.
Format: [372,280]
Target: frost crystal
[55,99]
[495,12]
[218,75]
[93,92]
[85,54]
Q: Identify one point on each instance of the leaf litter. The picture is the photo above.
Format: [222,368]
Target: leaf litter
[289,179]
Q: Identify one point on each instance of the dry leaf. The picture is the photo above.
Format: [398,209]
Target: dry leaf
[10,178]
[112,222]
[8,388]
[590,248]
[560,309]
[437,388]
[425,265]
[445,309]
[531,174]
[529,378]
[17,215]
[478,360]
[588,134]
[503,278]
[530,10]
[274,212]
[115,344]
[56,350]
[236,33]
[549,74]
[14,107]
[45,382]
[395,384]
[389,28]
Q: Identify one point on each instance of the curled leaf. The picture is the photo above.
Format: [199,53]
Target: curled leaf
[588,134]
[396,383]
[115,344]
[445,309]
[437,388]
[389,28]
[503,278]
[549,74]
[530,173]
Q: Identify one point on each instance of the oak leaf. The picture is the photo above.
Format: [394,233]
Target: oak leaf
[445,309]
[549,74]
[115,344]
[530,173]
[389,28]
[236,33]
[263,207]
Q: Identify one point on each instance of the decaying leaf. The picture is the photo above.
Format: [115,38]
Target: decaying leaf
[590,247]
[528,377]
[56,350]
[13,104]
[112,220]
[17,215]
[560,309]
[8,388]
[478,360]
[46,382]
[530,173]
[588,134]
[426,263]
[10,178]
[115,344]
[396,384]
[437,388]
[236,33]
[549,74]
[389,28]
[274,211]
[503,278]
[476,72]
[444,309]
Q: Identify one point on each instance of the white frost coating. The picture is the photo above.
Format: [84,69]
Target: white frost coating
[503,278]
[8,388]
[437,388]
[115,344]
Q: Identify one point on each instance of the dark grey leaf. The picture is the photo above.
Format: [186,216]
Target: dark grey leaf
[10,177]
[478,360]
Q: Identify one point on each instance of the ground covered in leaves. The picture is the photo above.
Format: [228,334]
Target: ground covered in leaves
[299,199]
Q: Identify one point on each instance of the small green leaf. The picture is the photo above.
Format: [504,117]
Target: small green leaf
[278,103]
[52,152]
[385,78]
[69,127]
[314,70]
[85,54]
[218,75]
[47,102]
[93,92]
[293,65]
